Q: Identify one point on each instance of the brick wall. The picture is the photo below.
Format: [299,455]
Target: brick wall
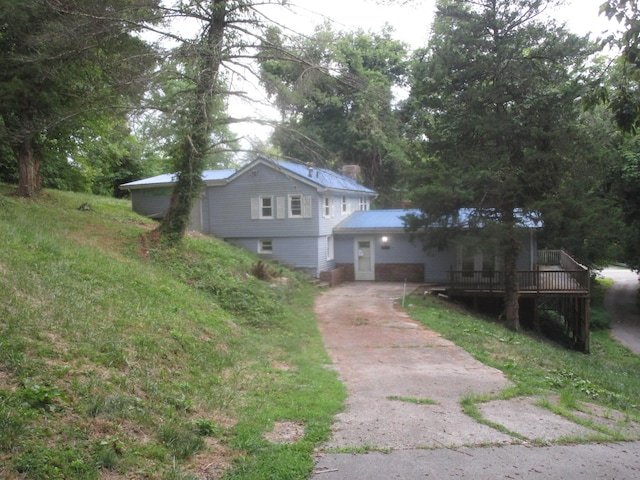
[388,272]
[399,272]
[347,272]
[333,277]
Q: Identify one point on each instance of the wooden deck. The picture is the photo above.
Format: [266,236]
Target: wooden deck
[547,280]
[557,280]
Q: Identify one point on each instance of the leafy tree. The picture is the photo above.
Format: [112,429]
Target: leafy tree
[624,97]
[65,64]
[227,31]
[492,107]
[335,92]
[625,186]
[583,215]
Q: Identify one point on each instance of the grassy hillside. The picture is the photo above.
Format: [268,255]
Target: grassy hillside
[121,361]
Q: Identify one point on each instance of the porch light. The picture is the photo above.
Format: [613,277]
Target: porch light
[385,239]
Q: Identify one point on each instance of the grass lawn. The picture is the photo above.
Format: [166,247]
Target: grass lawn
[122,361]
[538,366]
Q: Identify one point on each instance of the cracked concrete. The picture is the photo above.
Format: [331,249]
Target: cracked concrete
[405,384]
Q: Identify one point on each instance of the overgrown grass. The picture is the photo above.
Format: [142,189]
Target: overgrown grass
[608,376]
[148,363]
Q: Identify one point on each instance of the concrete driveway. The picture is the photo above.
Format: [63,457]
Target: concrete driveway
[405,384]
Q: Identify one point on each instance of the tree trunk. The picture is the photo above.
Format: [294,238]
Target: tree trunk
[511,287]
[192,154]
[29,179]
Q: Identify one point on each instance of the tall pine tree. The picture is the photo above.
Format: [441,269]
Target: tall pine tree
[492,105]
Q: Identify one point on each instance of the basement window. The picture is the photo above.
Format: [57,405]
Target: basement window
[265,246]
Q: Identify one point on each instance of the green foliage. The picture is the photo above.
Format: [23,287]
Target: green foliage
[65,70]
[493,106]
[40,396]
[417,401]
[582,216]
[263,271]
[207,427]
[335,92]
[623,98]
[254,301]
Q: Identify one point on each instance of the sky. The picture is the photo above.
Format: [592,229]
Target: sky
[411,24]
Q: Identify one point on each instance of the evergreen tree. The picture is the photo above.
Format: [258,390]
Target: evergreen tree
[65,65]
[492,106]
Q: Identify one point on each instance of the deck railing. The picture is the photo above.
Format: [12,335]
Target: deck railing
[558,258]
[557,273]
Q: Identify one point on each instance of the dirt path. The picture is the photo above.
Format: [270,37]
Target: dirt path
[405,384]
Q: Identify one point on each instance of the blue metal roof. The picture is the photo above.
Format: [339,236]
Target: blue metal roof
[375,220]
[323,177]
[393,219]
[170,178]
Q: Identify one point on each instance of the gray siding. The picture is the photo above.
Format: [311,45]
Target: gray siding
[327,224]
[401,250]
[298,252]
[437,264]
[398,249]
[151,202]
[229,207]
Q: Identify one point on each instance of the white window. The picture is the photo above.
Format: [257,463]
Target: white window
[266,207]
[265,246]
[345,205]
[330,247]
[262,207]
[327,207]
[295,206]
[364,203]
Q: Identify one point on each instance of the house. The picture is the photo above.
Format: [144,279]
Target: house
[282,211]
[320,221]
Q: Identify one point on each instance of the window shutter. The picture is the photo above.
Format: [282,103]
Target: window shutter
[306,207]
[280,207]
[255,208]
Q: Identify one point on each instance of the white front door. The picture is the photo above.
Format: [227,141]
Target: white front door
[364,263]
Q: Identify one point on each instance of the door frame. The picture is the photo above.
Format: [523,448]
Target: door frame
[369,275]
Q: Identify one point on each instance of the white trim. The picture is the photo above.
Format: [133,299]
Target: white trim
[262,207]
[265,246]
[327,206]
[306,207]
[300,199]
[330,248]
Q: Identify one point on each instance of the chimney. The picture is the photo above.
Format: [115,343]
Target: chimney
[351,171]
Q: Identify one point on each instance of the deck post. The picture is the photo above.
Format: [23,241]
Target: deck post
[536,314]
